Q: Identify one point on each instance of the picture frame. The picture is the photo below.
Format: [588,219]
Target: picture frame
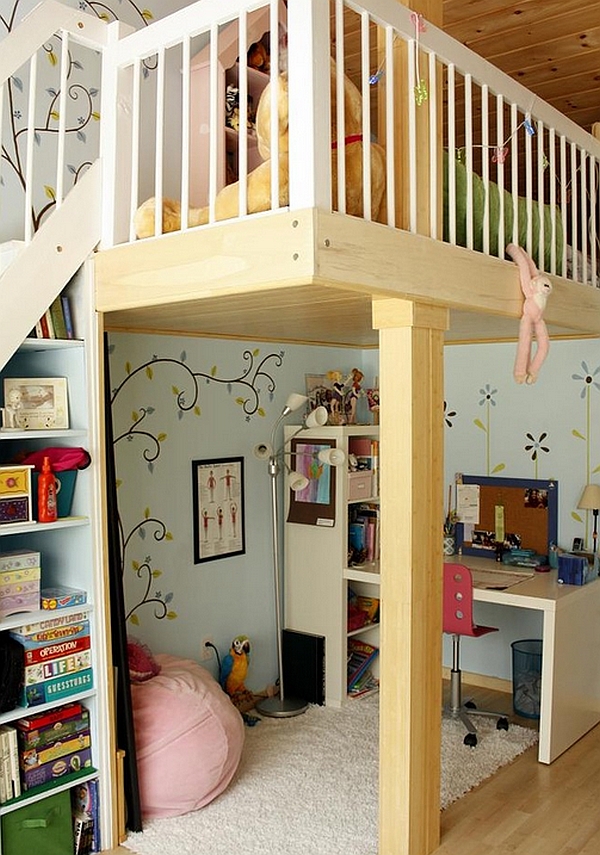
[315,505]
[35,403]
[218,508]
[577,544]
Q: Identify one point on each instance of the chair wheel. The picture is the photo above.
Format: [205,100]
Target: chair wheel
[502,723]
[471,705]
[470,739]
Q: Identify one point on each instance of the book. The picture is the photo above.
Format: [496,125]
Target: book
[49,323]
[14,762]
[360,656]
[58,318]
[4,766]
[66,305]
[85,807]
[366,685]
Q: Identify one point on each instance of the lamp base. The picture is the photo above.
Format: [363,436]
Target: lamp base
[276,708]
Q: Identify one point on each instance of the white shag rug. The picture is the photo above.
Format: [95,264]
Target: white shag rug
[310,784]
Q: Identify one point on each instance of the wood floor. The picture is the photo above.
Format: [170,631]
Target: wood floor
[527,808]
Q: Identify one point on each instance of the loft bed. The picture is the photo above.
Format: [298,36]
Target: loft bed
[304,269]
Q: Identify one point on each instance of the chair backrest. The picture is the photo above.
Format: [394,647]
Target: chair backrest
[458,600]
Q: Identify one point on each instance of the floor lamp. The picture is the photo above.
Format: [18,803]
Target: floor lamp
[281,706]
[590,501]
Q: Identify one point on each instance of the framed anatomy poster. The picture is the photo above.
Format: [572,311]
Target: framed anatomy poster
[218,508]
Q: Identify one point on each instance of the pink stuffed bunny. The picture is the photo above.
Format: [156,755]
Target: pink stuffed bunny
[536,287]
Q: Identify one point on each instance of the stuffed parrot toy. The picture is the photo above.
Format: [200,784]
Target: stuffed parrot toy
[235,666]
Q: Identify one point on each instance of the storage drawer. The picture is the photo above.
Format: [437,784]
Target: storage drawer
[43,827]
[360,485]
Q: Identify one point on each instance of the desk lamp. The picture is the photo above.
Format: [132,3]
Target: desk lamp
[590,501]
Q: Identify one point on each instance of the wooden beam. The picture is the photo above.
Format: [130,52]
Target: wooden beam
[412,509]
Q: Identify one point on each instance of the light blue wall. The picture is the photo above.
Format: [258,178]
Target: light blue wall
[228,596]
[498,423]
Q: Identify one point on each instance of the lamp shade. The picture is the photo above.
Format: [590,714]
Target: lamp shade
[263,450]
[295,401]
[297,481]
[590,498]
[332,456]
[317,417]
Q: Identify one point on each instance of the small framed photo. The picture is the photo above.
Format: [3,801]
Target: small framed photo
[35,403]
[218,507]
[577,544]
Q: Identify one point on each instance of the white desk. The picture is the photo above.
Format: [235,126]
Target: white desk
[570,688]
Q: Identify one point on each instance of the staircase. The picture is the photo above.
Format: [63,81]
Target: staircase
[40,265]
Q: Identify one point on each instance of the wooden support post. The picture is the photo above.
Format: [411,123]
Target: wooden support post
[412,511]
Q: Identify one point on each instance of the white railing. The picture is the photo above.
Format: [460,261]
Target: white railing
[42,104]
[468,155]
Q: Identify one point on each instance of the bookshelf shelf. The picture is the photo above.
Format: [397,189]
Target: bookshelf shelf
[317,591]
[70,555]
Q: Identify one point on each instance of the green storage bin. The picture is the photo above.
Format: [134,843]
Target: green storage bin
[42,827]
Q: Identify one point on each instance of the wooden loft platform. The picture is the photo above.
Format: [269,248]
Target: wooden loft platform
[310,277]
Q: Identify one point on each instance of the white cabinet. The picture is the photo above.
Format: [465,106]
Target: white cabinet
[317,573]
[71,548]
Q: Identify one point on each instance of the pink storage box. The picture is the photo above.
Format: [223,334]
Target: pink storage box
[360,485]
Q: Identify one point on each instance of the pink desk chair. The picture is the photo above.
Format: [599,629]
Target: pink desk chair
[458,620]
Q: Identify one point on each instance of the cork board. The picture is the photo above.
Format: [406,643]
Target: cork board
[527,509]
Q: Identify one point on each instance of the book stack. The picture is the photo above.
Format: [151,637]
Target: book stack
[57,658]
[20,572]
[361,656]
[86,827]
[363,533]
[53,743]
[10,779]
[56,322]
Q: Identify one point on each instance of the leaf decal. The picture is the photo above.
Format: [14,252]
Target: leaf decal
[576,516]
[478,423]
[146,513]
[168,536]
[261,412]
[213,371]
[196,410]
[52,58]
[149,373]
[134,620]
[135,565]
[499,467]
[577,434]
[171,615]
[128,367]
[156,574]
[161,437]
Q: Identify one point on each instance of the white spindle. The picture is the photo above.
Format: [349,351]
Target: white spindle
[158,143]
[340,118]
[514,157]
[213,110]
[62,120]
[366,115]
[584,220]
[451,154]
[185,130]
[274,116]
[433,149]
[529,191]
[593,219]
[563,199]
[540,197]
[390,139]
[485,166]
[28,224]
[243,102]
[500,172]
[552,187]
[469,156]
[135,144]
[574,214]
[412,136]
[2,90]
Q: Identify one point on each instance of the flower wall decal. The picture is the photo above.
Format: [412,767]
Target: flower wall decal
[487,400]
[588,382]
[534,446]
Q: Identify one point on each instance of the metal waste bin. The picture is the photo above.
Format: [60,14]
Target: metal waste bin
[527,676]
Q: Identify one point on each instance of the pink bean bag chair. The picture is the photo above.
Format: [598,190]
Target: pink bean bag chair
[188,735]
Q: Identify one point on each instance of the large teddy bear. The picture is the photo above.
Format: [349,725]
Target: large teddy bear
[259,180]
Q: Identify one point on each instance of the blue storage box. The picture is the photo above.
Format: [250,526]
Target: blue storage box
[576,569]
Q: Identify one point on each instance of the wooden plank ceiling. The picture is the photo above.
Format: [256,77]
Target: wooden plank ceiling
[550,46]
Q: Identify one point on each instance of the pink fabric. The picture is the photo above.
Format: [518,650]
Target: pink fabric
[142,664]
[189,738]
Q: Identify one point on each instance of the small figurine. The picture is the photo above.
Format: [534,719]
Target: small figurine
[13,406]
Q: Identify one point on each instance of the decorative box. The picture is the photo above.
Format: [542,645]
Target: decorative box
[15,494]
[70,763]
[19,559]
[19,591]
[360,485]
